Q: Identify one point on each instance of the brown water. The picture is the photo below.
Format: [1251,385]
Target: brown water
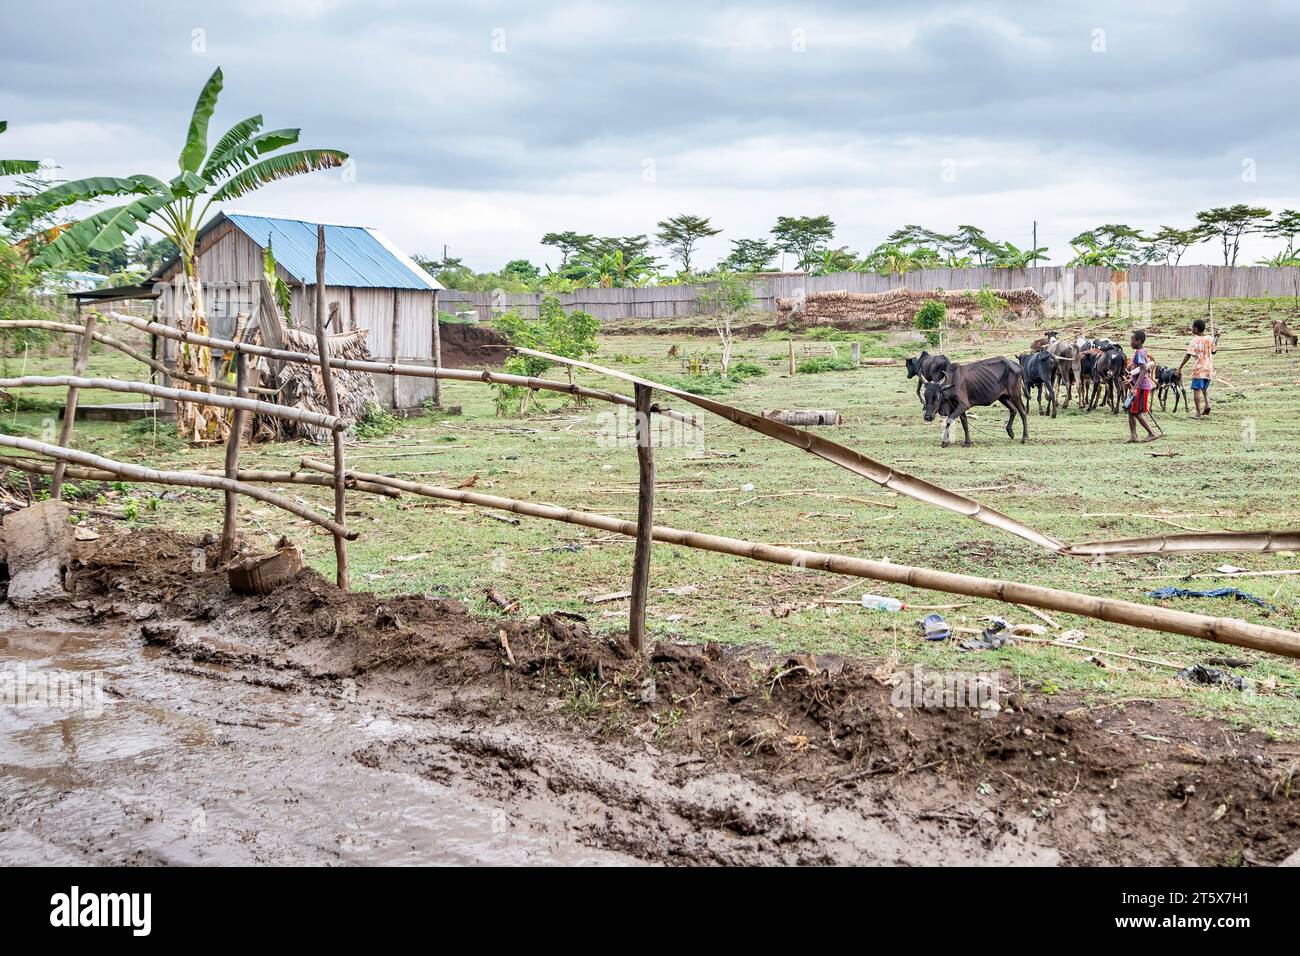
[177,765]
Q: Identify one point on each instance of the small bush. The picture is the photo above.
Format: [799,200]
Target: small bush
[376,422]
[930,317]
[824,363]
[741,371]
[701,384]
[153,434]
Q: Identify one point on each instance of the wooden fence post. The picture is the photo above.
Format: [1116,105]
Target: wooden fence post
[232,460]
[397,328]
[645,512]
[437,352]
[331,398]
[70,406]
[792,355]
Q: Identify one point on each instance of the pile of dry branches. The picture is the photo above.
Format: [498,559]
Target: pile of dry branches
[898,307]
[303,388]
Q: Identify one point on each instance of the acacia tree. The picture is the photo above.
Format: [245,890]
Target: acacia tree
[1230,223]
[242,160]
[680,234]
[569,243]
[804,237]
[1285,225]
[1171,244]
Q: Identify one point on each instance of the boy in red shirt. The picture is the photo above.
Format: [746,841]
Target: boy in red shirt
[1140,367]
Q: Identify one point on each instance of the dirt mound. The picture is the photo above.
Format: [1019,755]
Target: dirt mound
[807,744]
[469,345]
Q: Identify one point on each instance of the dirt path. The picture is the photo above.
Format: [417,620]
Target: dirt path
[315,726]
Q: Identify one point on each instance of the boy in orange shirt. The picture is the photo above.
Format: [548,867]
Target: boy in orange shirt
[1201,348]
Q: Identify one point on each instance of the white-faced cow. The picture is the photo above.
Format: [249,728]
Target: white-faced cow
[977,383]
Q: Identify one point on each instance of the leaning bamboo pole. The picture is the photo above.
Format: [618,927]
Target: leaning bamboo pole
[180,395]
[1221,630]
[484,376]
[37,467]
[119,345]
[332,403]
[231,510]
[191,479]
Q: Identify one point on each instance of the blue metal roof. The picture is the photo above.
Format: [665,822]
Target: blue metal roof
[354,255]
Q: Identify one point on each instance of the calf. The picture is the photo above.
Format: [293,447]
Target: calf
[1283,340]
[1167,378]
[927,368]
[977,383]
[1039,369]
[1038,345]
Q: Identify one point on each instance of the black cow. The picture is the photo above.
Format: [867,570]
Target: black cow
[1169,377]
[977,383]
[927,368]
[1109,373]
[1039,369]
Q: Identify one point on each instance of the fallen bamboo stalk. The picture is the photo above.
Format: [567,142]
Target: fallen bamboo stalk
[190,479]
[1219,629]
[388,368]
[180,395]
[921,490]
[115,343]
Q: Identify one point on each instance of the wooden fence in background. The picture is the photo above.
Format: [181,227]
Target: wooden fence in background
[1090,284]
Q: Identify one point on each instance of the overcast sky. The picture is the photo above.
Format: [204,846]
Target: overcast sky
[483,125]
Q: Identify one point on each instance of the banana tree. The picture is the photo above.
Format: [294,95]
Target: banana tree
[14,167]
[242,160]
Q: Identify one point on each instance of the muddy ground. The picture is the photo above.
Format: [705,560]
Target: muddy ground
[311,725]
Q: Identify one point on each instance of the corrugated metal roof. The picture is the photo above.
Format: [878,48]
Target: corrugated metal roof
[354,255]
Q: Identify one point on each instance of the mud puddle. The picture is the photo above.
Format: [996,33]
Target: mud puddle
[316,726]
[164,767]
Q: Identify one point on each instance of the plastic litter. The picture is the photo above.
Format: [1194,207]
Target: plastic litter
[1235,593]
[992,638]
[1212,676]
[876,602]
[935,628]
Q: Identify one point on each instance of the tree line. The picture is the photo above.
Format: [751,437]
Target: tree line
[616,261]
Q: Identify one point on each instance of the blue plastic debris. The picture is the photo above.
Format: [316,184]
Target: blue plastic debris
[1235,593]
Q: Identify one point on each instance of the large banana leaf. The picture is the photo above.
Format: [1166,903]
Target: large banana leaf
[236,134]
[196,140]
[103,231]
[18,167]
[279,167]
[241,153]
[84,190]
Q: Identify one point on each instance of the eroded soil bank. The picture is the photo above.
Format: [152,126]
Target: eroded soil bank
[311,725]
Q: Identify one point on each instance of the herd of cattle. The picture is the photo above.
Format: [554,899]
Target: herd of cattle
[1092,371]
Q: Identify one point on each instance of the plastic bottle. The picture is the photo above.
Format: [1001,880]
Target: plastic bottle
[875,602]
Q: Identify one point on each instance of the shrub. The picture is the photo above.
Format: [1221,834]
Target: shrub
[929,319]
[376,422]
[813,366]
[740,371]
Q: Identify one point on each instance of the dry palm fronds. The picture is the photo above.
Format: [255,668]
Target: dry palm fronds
[898,306]
[304,389]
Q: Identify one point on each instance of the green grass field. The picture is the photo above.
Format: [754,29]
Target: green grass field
[1076,479]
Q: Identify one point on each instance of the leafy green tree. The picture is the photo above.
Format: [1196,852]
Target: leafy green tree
[569,243]
[804,237]
[1171,244]
[568,334]
[974,241]
[930,318]
[680,234]
[1230,223]
[749,255]
[242,160]
[728,294]
[1010,256]
[834,260]
[521,270]
[1285,225]
[889,258]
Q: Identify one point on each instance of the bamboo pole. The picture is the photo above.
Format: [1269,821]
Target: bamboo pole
[125,349]
[332,422]
[190,479]
[70,405]
[332,402]
[386,368]
[37,467]
[1218,629]
[645,509]
[232,462]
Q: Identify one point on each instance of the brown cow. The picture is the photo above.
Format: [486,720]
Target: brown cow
[1283,340]
[977,383]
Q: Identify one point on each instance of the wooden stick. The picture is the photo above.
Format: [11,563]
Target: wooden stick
[645,507]
[1219,629]
[1040,615]
[232,462]
[70,406]
[180,395]
[332,401]
[1096,650]
[191,479]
